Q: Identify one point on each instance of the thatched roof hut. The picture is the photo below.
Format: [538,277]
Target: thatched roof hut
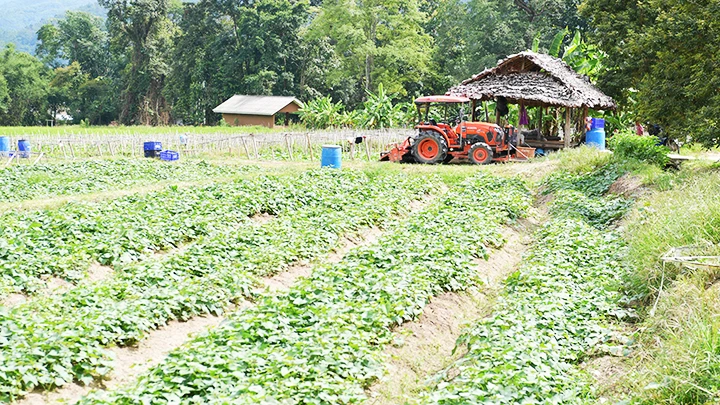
[538,80]
[535,80]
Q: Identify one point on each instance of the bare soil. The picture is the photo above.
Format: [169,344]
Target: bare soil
[627,185]
[426,345]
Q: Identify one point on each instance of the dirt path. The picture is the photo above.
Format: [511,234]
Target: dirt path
[427,343]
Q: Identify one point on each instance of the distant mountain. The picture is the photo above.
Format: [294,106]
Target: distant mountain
[20,19]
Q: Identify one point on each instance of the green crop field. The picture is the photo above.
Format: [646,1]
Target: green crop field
[129,281]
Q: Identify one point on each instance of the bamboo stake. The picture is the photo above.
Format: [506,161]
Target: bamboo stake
[307,136]
[38,158]
[247,152]
[11,159]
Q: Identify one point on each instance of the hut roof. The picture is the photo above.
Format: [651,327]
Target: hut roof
[255,105]
[535,79]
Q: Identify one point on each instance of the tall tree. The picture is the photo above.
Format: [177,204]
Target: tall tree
[227,47]
[669,52]
[26,82]
[142,27]
[79,37]
[473,35]
[375,41]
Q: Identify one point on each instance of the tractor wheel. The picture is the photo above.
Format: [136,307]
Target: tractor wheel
[480,154]
[429,148]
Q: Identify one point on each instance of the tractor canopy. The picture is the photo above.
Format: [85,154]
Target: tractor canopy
[441,99]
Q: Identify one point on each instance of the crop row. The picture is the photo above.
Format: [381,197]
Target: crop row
[321,342]
[51,341]
[555,310]
[63,242]
[24,182]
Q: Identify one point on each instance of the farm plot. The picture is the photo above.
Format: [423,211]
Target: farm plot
[558,308]
[49,342]
[63,242]
[24,182]
[321,342]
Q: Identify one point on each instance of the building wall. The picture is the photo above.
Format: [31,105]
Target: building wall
[290,108]
[247,120]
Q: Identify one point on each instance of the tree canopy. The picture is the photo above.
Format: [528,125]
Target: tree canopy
[163,61]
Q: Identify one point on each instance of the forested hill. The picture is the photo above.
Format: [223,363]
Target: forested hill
[20,19]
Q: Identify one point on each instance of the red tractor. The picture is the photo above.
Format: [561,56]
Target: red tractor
[455,138]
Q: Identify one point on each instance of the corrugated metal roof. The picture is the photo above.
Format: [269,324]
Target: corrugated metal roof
[255,105]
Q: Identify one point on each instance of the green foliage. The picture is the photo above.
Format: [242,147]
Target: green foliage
[554,311]
[78,37]
[24,182]
[628,145]
[323,113]
[53,341]
[140,31]
[667,51]
[595,183]
[377,112]
[686,215]
[323,339]
[374,42]
[23,89]
[596,211]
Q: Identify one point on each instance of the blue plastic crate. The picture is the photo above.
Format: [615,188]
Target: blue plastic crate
[169,155]
[152,146]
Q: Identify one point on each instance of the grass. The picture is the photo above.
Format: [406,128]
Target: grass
[686,215]
[676,357]
[139,130]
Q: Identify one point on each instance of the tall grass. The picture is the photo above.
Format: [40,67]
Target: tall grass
[677,359]
[686,215]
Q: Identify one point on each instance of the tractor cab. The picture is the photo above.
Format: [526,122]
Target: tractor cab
[445,134]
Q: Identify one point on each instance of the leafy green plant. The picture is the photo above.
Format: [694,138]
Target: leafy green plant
[50,342]
[627,145]
[321,342]
[554,311]
[25,182]
[322,113]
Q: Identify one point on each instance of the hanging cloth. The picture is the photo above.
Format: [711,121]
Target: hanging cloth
[524,119]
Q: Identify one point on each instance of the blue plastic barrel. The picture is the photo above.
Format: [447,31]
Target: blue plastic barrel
[596,136]
[4,145]
[331,156]
[24,148]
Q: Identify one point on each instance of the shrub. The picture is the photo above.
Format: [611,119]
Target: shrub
[644,148]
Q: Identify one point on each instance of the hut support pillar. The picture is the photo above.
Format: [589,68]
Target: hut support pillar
[566,132]
[474,114]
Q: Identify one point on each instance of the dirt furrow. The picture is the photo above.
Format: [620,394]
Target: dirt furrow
[425,346]
[130,362]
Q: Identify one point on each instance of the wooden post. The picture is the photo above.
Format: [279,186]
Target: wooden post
[367,147]
[540,119]
[584,118]
[247,152]
[472,116]
[309,144]
[352,151]
[38,158]
[11,159]
[487,115]
[287,143]
[566,132]
[255,148]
